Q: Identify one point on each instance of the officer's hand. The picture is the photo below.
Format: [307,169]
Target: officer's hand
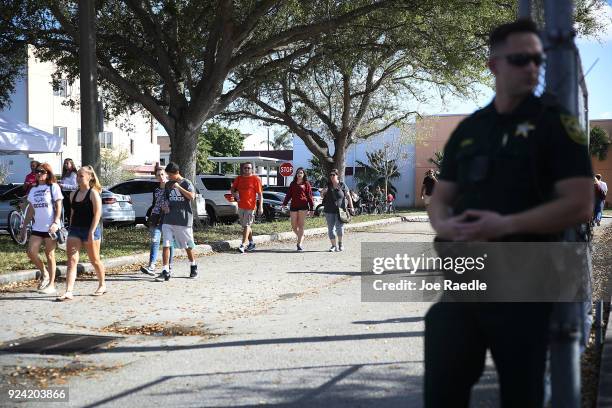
[481,225]
[450,228]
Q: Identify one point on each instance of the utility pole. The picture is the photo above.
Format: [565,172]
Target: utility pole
[567,319]
[90,141]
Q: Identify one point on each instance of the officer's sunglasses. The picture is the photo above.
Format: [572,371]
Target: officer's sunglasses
[522,59]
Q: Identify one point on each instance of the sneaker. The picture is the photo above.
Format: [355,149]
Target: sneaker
[148,270]
[44,282]
[49,290]
[163,276]
[194,271]
[299,248]
[332,249]
[241,249]
[250,247]
[340,248]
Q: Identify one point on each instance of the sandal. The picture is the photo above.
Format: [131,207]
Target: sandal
[65,297]
[99,292]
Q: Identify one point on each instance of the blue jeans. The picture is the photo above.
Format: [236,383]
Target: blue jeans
[155,234]
[333,220]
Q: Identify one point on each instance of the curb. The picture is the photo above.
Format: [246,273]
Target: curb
[143,257]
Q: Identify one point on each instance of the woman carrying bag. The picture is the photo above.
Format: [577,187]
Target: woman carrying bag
[155,222]
[336,199]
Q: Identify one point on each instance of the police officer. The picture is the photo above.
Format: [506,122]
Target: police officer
[517,170]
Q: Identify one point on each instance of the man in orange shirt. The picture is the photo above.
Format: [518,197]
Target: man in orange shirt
[245,189]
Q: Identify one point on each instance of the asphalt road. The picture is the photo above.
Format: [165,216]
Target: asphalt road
[292,328]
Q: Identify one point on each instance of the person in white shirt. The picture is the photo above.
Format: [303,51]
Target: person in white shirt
[45,199]
[68,183]
[604,188]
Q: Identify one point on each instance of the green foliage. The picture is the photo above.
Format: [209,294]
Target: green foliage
[599,143]
[316,173]
[436,160]
[282,141]
[380,169]
[111,167]
[217,141]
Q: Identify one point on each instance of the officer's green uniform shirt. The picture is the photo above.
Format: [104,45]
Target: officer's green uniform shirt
[509,163]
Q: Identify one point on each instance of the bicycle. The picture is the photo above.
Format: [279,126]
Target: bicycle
[16,218]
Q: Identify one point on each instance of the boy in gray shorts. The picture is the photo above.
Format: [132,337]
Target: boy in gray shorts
[177,227]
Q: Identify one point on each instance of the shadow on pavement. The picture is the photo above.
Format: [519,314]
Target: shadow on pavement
[357,385]
[282,340]
[394,320]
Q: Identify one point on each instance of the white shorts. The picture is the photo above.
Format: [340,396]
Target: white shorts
[246,217]
[177,235]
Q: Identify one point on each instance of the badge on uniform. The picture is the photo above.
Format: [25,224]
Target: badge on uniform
[523,129]
[573,129]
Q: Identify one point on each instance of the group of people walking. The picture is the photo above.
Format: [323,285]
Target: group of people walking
[47,203]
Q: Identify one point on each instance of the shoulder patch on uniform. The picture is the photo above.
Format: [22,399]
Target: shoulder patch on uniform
[466,142]
[573,129]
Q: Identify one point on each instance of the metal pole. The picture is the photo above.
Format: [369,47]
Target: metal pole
[268,138]
[90,141]
[567,318]
[525,8]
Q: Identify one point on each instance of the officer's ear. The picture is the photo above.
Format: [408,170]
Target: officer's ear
[492,64]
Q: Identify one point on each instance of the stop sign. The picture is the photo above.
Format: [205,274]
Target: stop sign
[286,169]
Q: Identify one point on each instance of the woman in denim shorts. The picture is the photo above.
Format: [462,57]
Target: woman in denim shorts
[86,214]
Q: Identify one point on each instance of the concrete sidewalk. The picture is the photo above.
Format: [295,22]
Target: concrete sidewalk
[143,257]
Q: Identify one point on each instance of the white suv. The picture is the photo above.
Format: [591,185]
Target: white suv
[141,191]
[220,204]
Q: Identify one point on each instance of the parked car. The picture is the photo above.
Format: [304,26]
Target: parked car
[141,191]
[11,193]
[220,204]
[278,189]
[117,209]
[316,196]
[273,207]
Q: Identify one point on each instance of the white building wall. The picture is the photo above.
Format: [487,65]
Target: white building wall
[404,184]
[44,110]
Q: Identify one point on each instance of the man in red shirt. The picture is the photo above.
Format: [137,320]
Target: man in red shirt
[245,189]
[30,179]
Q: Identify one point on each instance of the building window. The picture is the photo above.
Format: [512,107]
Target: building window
[63,90]
[131,146]
[162,161]
[78,137]
[61,132]
[106,140]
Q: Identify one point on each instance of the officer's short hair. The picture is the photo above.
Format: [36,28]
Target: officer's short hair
[500,34]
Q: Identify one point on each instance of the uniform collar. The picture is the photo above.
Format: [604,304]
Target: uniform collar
[525,108]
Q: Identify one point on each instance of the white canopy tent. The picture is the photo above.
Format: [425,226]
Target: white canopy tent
[18,137]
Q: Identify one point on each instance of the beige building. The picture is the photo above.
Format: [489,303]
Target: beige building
[432,132]
[37,104]
[604,167]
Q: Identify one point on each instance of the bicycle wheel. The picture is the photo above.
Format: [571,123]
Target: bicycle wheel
[15,221]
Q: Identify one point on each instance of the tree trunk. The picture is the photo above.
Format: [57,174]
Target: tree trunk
[340,162]
[183,152]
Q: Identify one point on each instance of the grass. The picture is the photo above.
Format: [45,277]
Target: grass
[128,241]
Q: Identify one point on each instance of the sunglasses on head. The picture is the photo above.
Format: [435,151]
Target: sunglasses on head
[522,59]
[40,171]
